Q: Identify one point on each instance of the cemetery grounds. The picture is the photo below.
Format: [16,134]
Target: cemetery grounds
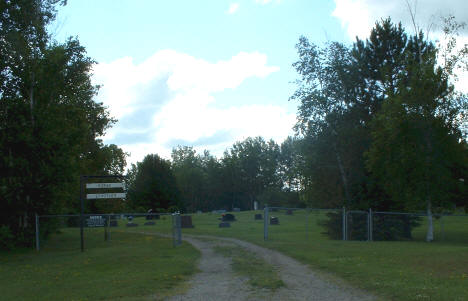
[136,264]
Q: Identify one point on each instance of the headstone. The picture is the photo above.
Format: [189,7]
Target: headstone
[236,209]
[255,205]
[224,225]
[258,216]
[113,223]
[199,212]
[289,212]
[130,224]
[274,220]
[150,224]
[130,218]
[186,221]
[228,217]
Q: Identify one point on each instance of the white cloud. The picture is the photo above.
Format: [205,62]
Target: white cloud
[263,2]
[233,7]
[359,16]
[170,97]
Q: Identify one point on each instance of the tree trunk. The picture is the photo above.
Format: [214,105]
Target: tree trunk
[31,100]
[430,226]
[342,173]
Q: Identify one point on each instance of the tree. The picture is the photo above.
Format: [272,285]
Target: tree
[49,122]
[416,151]
[191,178]
[374,114]
[253,164]
[152,185]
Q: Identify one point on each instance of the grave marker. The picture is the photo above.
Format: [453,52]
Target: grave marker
[224,225]
[186,221]
[274,220]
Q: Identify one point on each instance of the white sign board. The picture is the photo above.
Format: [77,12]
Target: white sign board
[105,185]
[105,196]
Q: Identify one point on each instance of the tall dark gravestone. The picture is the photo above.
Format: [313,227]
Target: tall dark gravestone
[274,220]
[228,217]
[186,221]
[258,216]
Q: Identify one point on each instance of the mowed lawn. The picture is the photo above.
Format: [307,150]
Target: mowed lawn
[128,267]
[394,270]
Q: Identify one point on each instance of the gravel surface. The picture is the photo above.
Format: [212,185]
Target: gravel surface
[216,281]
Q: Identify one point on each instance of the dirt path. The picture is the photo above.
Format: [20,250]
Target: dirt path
[216,281]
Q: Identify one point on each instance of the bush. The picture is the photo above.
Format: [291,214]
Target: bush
[385,226]
[6,238]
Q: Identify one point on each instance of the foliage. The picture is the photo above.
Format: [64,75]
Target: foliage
[380,124]
[152,185]
[50,124]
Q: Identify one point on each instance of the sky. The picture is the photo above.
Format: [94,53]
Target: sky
[208,73]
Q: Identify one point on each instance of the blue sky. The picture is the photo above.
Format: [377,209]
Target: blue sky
[209,73]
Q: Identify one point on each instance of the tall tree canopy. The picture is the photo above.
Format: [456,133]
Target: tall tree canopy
[49,123]
[152,185]
[380,123]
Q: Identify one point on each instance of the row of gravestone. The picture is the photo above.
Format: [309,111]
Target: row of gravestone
[186,221]
[226,218]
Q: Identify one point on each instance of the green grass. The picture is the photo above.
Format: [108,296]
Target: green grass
[246,264]
[398,270]
[129,267]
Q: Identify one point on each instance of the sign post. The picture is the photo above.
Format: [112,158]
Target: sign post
[90,196]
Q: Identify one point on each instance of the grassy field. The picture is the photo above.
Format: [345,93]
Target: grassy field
[128,267]
[132,266]
[396,270]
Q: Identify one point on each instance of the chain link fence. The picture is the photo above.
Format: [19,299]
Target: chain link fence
[63,232]
[359,225]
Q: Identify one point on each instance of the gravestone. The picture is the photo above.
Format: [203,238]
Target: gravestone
[130,224]
[289,212]
[130,218]
[150,224]
[186,221]
[113,223]
[274,220]
[236,209]
[258,216]
[228,217]
[224,225]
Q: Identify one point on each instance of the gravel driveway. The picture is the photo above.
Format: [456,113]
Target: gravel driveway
[216,281]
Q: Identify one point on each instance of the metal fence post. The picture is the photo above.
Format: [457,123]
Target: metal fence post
[37,233]
[179,229]
[442,227]
[344,223]
[265,223]
[371,225]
